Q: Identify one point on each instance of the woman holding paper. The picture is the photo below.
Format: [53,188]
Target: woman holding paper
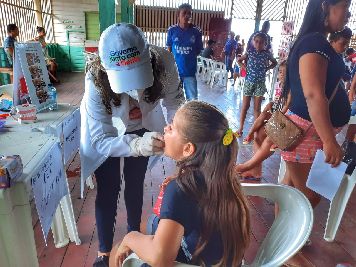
[313,74]
[122,122]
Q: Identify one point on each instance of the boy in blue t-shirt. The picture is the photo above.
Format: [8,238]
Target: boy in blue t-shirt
[184,40]
[9,42]
[229,52]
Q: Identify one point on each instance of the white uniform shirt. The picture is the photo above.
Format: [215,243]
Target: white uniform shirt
[103,135]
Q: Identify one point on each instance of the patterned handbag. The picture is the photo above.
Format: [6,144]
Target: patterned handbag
[284,132]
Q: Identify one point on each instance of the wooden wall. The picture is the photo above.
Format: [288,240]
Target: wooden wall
[69,32]
[155,19]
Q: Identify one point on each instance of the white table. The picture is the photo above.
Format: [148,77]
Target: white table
[17,244]
[64,226]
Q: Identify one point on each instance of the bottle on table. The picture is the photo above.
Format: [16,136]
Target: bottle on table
[52,95]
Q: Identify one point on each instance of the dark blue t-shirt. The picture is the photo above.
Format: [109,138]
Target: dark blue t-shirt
[230,45]
[182,208]
[186,46]
[339,106]
[257,63]
[9,42]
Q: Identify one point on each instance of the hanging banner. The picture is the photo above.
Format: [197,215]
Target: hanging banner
[49,186]
[286,40]
[34,70]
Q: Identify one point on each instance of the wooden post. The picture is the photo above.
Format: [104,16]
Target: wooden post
[38,10]
[258,14]
[107,14]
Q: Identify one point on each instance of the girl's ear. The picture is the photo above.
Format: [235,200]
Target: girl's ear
[188,149]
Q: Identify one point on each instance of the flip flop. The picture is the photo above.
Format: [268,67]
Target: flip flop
[247,141]
[239,134]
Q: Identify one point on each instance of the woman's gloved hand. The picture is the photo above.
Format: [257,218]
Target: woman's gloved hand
[151,143]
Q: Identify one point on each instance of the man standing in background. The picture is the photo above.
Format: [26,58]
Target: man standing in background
[184,40]
[9,42]
[229,52]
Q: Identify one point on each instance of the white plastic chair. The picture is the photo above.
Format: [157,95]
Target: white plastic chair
[200,66]
[219,74]
[337,205]
[288,233]
[209,70]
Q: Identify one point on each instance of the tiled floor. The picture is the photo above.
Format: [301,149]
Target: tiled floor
[320,253]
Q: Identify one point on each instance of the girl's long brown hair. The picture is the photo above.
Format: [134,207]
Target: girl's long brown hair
[220,198]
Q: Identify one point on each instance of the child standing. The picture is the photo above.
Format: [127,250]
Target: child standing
[258,63]
[262,145]
[204,217]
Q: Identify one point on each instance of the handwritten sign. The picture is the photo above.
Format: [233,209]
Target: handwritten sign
[71,135]
[49,186]
[34,71]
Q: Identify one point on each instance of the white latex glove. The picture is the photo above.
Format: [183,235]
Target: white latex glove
[151,143]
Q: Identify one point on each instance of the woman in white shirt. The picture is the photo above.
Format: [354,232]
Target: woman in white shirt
[122,122]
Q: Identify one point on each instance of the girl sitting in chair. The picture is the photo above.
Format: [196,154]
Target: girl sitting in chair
[204,217]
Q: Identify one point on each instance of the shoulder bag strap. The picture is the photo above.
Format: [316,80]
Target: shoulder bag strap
[329,101]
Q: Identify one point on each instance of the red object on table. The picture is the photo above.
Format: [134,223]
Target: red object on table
[91,49]
[4,116]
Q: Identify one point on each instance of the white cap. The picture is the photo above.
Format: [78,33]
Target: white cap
[124,53]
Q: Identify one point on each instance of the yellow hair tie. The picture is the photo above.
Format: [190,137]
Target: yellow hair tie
[229,137]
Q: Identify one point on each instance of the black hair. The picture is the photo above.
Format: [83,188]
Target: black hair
[261,35]
[349,51]
[266,25]
[211,42]
[346,33]
[11,27]
[184,6]
[314,17]
[40,29]
[313,21]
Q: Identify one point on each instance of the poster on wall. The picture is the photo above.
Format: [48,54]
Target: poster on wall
[286,40]
[30,68]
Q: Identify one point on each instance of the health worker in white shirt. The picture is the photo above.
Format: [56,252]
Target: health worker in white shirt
[122,121]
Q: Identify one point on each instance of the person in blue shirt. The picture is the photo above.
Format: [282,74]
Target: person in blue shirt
[184,40]
[314,72]
[265,29]
[229,52]
[259,61]
[204,216]
[9,42]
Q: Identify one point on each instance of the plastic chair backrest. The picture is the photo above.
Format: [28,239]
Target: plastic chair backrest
[290,229]
[338,206]
[8,89]
[288,233]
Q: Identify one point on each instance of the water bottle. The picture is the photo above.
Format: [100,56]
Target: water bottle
[52,96]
